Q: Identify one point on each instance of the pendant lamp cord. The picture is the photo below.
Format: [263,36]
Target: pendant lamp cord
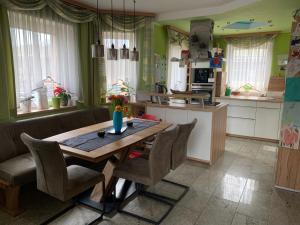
[124,18]
[134,1]
[98,22]
[112,21]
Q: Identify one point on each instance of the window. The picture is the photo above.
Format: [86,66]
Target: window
[176,75]
[122,69]
[249,62]
[44,45]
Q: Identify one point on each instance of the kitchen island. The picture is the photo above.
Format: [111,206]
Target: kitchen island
[207,141]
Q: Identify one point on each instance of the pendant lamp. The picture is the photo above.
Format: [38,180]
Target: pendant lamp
[124,52]
[97,48]
[112,52]
[134,54]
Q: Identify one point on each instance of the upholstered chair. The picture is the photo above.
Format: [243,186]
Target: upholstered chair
[149,171]
[54,177]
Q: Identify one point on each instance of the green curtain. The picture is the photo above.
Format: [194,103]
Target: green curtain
[65,10]
[145,43]
[92,70]
[7,94]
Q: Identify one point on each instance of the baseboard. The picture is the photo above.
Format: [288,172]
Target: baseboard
[199,160]
[287,189]
[253,138]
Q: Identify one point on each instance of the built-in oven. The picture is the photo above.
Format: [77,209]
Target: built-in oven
[203,75]
[203,88]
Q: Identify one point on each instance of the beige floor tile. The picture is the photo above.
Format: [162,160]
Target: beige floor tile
[218,212]
[229,191]
[195,200]
[181,216]
[240,219]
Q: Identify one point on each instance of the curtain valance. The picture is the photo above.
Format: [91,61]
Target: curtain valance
[249,42]
[178,38]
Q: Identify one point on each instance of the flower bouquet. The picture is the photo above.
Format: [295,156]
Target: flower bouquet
[62,93]
[118,102]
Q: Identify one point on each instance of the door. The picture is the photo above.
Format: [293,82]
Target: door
[267,121]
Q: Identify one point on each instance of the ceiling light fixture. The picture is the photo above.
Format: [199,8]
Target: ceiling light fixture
[97,48]
[112,53]
[124,52]
[134,55]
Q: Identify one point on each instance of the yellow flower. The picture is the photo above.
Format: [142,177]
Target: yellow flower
[118,108]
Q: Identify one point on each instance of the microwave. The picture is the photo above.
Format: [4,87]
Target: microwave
[203,75]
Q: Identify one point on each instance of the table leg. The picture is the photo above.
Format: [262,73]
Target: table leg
[110,181]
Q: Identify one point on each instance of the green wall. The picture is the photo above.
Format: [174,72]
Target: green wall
[281,47]
[160,39]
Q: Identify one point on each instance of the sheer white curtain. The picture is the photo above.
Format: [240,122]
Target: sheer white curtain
[176,75]
[44,45]
[121,69]
[249,62]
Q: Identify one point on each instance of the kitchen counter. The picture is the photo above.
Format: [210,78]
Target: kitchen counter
[193,107]
[207,141]
[253,98]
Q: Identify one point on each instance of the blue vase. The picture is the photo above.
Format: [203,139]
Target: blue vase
[117,121]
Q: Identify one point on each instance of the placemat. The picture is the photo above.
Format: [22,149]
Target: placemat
[90,141]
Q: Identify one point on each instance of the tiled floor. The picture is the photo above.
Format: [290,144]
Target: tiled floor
[237,190]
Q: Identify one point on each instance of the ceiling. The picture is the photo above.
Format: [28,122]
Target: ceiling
[173,9]
[277,14]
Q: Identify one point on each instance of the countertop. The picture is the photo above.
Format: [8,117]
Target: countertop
[192,107]
[253,98]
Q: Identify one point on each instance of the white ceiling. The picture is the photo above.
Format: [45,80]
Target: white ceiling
[175,9]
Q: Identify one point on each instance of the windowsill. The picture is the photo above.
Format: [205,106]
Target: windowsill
[51,110]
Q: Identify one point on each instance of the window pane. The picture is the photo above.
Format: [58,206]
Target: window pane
[44,45]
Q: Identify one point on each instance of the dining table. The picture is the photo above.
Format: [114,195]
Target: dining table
[86,143]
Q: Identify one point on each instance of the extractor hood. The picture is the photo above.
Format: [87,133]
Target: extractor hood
[201,39]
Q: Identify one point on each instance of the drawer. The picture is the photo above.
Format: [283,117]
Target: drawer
[241,112]
[269,105]
[238,126]
[244,103]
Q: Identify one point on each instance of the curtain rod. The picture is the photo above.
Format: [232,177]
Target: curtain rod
[107,11]
[272,33]
[178,30]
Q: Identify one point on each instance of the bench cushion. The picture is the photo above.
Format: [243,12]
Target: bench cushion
[18,170]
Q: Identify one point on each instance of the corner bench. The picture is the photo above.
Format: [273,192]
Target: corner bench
[16,164]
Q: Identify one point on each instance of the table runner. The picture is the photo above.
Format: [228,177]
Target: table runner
[90,141]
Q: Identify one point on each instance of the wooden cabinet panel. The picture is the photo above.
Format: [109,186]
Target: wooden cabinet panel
[266,125]
[239,126]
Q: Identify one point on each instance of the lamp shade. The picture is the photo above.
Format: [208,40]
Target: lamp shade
[112,53]
[134,55]
[124,52]
[97,50]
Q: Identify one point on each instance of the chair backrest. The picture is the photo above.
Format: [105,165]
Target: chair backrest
[179,148]
[160,154]
[51,168]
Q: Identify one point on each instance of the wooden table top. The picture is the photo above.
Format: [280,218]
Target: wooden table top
[106,151]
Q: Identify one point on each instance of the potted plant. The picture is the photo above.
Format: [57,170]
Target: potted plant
[64,96]
[25,104]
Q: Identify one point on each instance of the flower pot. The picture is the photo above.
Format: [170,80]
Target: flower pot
[25,106]
[117,121]
[56,102]
[64,102]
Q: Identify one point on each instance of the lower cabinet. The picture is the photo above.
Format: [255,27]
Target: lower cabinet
[253,118]
[267,123]
[241,126]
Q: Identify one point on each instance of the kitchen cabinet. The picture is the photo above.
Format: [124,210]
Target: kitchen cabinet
[267,123]
[207,140]
[240,126]
[253,118]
